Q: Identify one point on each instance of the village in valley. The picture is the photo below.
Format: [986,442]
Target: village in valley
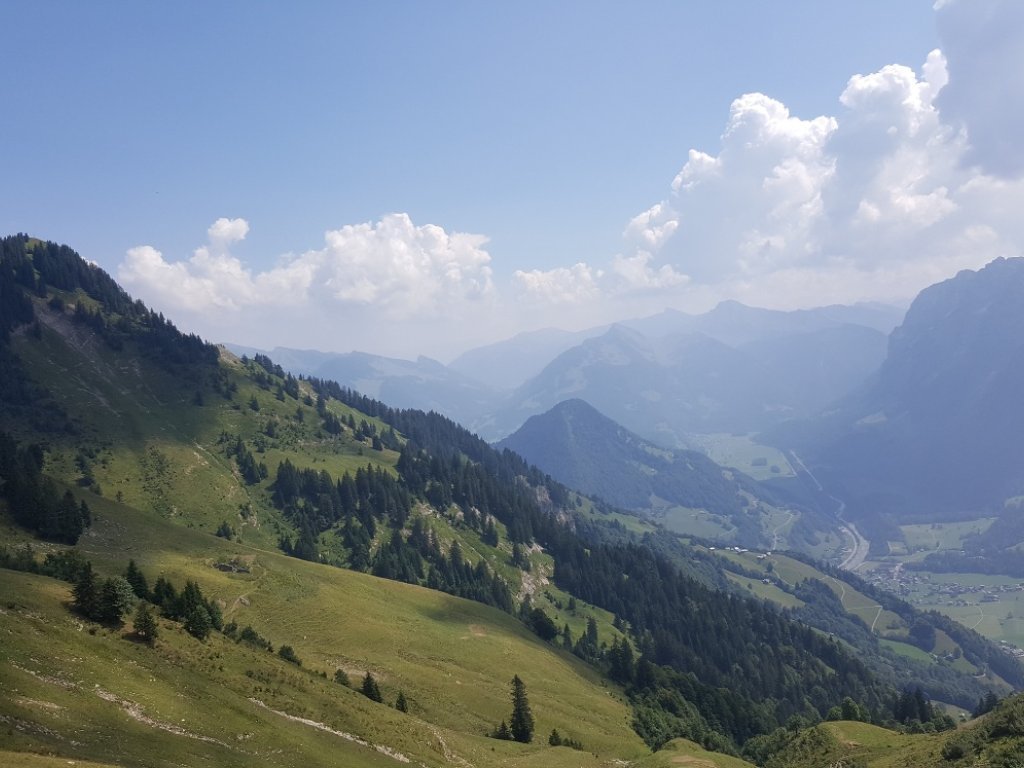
[990,599]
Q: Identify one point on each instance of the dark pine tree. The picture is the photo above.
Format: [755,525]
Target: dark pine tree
[86,593]
[197,622]
[145,624]
[521,724]
[620,662]
[195,612]
[370,689]
[115,600]
[137,579]
[166,596]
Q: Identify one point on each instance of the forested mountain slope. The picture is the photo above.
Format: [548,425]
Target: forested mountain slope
[584,449]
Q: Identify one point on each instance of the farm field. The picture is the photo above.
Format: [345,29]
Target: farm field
[930,537]
[697,522]
[742,453]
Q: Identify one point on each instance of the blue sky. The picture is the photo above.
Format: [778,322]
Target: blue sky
[422,177]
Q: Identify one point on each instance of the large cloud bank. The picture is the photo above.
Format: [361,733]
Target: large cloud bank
[919,173]
[376,275]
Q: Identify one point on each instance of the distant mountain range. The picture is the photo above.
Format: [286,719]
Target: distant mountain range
[508,364]
[736,324]
[735,368]
[664,388]
[920,425]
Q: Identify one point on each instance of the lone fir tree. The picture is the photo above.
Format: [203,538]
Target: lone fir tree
[116,598]
[86,592]
[137,579]
[521,724]
[370,689]
[145,624]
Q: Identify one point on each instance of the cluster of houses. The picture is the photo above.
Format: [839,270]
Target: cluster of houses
[922,590]
[1011,649]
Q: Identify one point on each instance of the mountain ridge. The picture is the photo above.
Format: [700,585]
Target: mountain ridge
[493,389]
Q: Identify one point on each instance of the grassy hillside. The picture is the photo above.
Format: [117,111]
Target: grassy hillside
[682,752]
[157,440]
[147,449]
[993,741]
[452,658]
[854,744]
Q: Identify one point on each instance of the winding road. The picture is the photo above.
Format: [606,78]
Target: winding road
[981,617]
[859,553]
[859,546]
[775,532]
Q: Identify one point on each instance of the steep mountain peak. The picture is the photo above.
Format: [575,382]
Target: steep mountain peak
[575,405]
[582,447]
[619,345]
[732,306]
[991,297]
[576,414]
[962,327]
[948,393]
[622,332]
[505,365]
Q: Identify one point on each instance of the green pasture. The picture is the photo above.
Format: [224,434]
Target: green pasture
[931,537]
[452,659]
[769,592]
[682,752]
[698,522]
[742,453]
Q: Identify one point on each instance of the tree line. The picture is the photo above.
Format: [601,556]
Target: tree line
[30,267]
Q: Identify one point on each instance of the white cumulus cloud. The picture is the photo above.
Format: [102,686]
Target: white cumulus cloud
[916,174]
[562,285]
[872,203]
[399,268]
[379,285]
[635,273]
[225,231]
[403,269]
[652,227]
[212,279]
